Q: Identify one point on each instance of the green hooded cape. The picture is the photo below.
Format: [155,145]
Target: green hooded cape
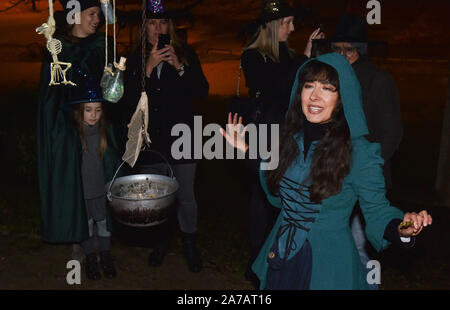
[335,260]
[63,212]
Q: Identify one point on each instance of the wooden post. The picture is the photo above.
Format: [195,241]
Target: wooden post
[443,173]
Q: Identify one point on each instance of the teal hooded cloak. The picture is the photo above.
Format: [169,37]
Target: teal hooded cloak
[335,260]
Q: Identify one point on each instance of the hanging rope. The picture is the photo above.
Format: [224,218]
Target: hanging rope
[106,32]
[107,68]
[114,32]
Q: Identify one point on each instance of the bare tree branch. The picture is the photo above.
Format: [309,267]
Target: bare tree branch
[14,5]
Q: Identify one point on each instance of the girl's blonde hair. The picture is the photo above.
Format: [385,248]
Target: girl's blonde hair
[266,40]
[79,122]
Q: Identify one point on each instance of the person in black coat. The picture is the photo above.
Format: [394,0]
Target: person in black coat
[269,67]
[173,80]
[381,103]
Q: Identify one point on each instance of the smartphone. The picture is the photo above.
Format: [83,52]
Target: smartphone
[163,40]
[322,27]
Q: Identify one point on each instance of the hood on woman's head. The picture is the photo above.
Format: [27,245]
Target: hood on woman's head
[349,90]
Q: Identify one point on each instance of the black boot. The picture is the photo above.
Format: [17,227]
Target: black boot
[156,258]
[92,270]
[191,253]
[106,262]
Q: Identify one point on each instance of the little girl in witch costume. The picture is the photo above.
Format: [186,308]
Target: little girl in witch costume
[98,163]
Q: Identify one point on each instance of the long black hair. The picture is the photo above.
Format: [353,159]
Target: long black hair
[331,160]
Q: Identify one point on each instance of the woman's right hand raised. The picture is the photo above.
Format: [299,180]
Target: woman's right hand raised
[235,133]
[317,34]
[155,58]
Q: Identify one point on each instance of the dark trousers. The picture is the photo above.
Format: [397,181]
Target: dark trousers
[186,210]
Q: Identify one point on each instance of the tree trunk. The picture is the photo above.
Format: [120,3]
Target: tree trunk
[443,173]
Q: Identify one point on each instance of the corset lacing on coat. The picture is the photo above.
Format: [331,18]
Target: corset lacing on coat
[297,213]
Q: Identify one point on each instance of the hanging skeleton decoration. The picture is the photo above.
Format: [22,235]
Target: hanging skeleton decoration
[54,46]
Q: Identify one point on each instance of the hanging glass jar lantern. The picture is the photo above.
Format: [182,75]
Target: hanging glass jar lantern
[112,83]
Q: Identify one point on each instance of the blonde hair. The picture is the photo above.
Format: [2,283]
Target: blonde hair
[266,40]
[79,122]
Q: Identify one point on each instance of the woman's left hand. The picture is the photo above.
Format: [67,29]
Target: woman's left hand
[317,34]
[419,220]
[172,58]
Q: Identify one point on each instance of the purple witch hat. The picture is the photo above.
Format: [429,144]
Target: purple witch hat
[156,9]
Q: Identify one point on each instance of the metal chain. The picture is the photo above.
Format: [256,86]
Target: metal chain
[238,91]
[143,45]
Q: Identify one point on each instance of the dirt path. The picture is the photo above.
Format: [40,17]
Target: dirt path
[27,263]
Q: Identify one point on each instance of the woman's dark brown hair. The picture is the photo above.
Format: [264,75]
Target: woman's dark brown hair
[331,160]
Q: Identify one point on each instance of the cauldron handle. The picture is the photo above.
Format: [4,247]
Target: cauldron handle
[108,194]
[163,158]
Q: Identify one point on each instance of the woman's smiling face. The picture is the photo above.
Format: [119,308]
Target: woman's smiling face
[319,99]
[89,21]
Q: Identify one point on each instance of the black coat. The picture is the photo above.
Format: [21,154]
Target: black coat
[273,80]
[381,105]
[170,101]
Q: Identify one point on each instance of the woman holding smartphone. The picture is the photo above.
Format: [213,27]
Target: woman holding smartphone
[173,80]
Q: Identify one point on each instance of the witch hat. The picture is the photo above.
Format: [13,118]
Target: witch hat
[351,28]
[156,9]
[88,88]
[273,10]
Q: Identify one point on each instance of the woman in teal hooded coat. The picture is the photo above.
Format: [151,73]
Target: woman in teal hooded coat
[326,164]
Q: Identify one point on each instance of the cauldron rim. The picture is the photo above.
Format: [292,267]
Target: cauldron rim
[143,177]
